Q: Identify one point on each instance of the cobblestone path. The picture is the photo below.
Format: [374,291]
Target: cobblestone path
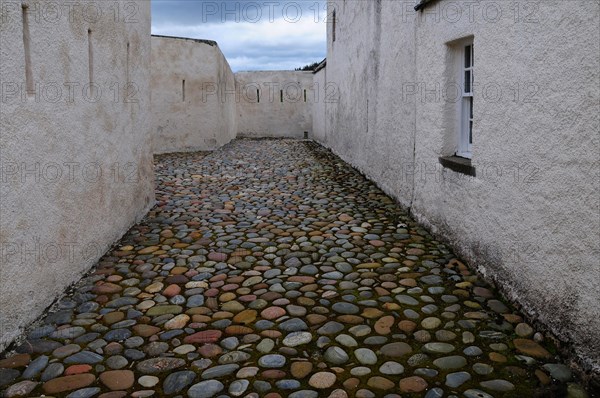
[271,268]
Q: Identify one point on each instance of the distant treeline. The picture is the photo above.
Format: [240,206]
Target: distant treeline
[310,67]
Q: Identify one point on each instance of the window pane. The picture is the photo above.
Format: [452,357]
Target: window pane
[472,54]
[467,81]
[467,56]
[471,132]
[471,108]
[471,120]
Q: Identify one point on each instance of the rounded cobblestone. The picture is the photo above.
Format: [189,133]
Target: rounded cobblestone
[272,268]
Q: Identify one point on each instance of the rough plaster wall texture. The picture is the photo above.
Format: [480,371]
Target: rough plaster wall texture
[530,218]
[392,117]
[538,238]
[76,165]
[229,124]
[347,115]
[271,117]
[200,115]
[319,127]
[369,114]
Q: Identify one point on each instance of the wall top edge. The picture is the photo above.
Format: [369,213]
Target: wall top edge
[422,4]
[321,66]
[274,71]
[209,42]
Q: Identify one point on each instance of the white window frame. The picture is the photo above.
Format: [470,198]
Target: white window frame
[465,134]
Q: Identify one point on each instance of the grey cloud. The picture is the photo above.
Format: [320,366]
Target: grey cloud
[193,12]
[264,45]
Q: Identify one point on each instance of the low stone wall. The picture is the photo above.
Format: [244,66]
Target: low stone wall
[75,161]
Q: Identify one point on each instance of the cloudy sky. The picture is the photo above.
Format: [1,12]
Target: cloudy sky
[253,35]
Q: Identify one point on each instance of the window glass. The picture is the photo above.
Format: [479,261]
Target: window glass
[467,81]
[467,56]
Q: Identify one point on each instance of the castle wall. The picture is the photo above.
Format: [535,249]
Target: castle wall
[191,107]
[529,217]
[75,158]
[319,127]
[283,107]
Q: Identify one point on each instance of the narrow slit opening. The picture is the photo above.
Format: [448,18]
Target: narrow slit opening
[29,85]
[90,61]
[183,90]
[334,21]
[127,64]
[281,95]
[304,95]
[257,96]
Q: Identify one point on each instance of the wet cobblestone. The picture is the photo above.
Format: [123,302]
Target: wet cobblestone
[272,268]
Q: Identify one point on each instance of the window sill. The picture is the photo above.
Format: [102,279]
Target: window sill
[458,164]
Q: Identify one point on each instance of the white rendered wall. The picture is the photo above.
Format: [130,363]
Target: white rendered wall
[529,220]
[319,127]
[76,166]
[272,117]
[206,118]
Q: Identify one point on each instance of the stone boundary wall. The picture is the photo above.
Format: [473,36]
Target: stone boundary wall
[192,109]
[198,104]
[75,158]
[318,112]
[275,104]
[529,218]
